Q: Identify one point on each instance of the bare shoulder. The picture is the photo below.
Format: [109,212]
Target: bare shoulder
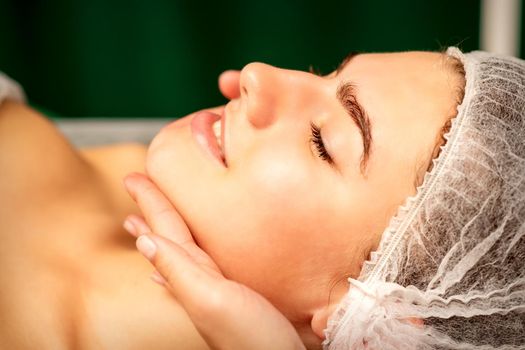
[39,162]
[63,244]
[31,147]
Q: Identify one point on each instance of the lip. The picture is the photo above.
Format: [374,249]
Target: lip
[202,132]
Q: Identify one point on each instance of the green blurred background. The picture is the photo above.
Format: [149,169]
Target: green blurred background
[161,58]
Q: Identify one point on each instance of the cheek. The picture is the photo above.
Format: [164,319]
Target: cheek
[274,204]
[277,179]
[260,221]
[268,188]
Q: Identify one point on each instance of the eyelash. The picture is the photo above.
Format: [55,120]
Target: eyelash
[317,140]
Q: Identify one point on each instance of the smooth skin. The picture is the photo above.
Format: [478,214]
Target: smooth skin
[281,219]
[71,278]
[223,311]
[227,314]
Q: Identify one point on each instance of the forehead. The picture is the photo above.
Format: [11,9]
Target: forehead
[400,61]
[407,86]
[408,96]
[410,83]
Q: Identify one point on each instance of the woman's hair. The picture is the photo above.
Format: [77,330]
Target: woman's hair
[453,255]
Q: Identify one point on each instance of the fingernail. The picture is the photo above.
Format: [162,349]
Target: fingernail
[146,246]
[126,180]
[128,226]
[157,278]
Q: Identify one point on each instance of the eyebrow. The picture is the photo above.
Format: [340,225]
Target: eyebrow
[346,94]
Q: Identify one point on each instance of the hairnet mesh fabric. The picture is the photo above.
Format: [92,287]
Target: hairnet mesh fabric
[453,257]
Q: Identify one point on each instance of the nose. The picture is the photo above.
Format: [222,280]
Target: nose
[268,91]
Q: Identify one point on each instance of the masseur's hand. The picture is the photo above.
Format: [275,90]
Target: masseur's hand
[228,315]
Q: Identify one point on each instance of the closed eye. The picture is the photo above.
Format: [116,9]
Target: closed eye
[317,140]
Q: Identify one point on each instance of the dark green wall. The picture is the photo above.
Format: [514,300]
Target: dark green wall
[162,58]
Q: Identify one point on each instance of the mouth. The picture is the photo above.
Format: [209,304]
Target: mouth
[208,131]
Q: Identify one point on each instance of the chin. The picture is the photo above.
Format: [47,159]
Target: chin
[169,130]
[187,178]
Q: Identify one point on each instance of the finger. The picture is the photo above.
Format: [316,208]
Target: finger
[191,285]
[128,226]
[223,311]
[158,211]
[163,219]
[189,282]
[157,278]
[136,225]
[229,84]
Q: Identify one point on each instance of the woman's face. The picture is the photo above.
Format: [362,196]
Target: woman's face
[288,216]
